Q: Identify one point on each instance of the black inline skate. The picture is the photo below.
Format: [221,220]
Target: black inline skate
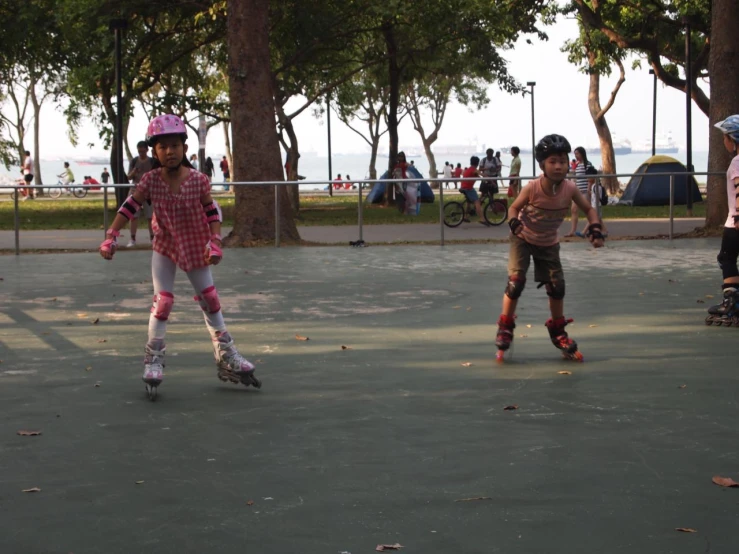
[726,313]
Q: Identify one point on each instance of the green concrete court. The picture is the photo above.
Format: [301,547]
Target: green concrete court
[343,450]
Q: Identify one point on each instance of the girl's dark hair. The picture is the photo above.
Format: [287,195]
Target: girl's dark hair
[591,171]
[583,154]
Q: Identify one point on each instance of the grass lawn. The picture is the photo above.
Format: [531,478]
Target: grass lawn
[315,210]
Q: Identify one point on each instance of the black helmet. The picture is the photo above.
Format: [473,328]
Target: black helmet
[551,144]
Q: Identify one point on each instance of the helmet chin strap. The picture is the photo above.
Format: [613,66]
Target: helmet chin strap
[555,184]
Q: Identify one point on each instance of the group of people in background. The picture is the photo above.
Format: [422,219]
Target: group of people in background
[490,166]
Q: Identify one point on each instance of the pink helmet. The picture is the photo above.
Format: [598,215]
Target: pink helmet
[165,125]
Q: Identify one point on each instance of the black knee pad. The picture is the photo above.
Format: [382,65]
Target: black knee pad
[516,283]
[556,289]
[728,265]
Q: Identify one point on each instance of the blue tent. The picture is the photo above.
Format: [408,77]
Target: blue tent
[647,189]
[378,191]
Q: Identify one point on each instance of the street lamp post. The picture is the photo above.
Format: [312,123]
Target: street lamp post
[688,118]
[118,26]
[532,84]
[654,113]
[328,124]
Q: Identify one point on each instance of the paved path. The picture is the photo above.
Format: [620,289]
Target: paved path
[342,450]
[342,234]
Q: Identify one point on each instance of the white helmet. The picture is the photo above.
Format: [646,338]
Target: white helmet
[730,126]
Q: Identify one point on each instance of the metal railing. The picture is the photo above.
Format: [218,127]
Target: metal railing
[361,184]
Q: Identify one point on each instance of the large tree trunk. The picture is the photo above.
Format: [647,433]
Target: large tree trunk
[392,114]
[257,153]
[724,58]
[598,113]
[229,154]
[433,172]
[36,135]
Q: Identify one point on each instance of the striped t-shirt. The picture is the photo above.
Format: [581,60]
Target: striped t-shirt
[580,175]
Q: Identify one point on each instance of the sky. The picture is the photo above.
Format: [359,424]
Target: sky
[561,94]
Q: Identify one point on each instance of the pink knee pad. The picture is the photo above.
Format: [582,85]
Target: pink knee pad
[208,300]
[162,305]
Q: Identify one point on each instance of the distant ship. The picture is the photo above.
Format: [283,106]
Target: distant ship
[620,147]
[663,145]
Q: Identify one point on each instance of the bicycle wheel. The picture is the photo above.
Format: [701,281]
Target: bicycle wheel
[453,214]
[79,192]
[55,192]
[13,194]
[496,212]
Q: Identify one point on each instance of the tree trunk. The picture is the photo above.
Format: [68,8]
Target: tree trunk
[724,58]
[392,114]
[293,191]
[36,135]
[257,157]
[229,155]
[373,157]
[433,172]
[608,157]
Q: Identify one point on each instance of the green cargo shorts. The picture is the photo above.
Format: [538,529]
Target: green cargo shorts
[547,266]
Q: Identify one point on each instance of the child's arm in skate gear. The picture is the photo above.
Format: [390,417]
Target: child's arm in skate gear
[108,247]
[516,206]
[594,223]
[213,252]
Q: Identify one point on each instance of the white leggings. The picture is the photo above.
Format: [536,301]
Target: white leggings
[162,273]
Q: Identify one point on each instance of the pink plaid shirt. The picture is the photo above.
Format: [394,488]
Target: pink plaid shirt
[181,228]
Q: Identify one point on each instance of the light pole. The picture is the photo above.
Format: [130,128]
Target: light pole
[119,174]
[532,84]
[328,124]
[688,118]
[654,113]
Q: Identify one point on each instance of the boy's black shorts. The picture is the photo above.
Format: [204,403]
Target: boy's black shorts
[729,253]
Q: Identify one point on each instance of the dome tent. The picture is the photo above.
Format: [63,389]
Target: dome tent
[378,190]
[647,189]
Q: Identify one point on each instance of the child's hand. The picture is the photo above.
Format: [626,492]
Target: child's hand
[109,245]
[213,253]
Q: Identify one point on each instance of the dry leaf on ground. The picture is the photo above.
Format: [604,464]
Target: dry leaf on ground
[724,481]
[34,489]
[250,503]
[466,364]
[473,499]
[682,386]
[564,372]
[102,340]
[96,321]
[97,385]
[528,325]
[346,347]
[139,482]
[456,307]
[701,301]
[685,530]
[511,407]
[523,336]
[591,326]
[469,309]
[299,337]
[88,368]
[709,296]
[29,433]
[384,547]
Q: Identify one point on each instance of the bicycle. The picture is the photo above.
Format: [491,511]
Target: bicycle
[494,210]
[77,191]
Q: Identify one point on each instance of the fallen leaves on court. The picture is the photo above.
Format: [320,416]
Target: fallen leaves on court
[23,433]
[724,481]
[473,499]
[300,337]
[685,530]
[511,407]
[34,489]
[466,364]
[384,547]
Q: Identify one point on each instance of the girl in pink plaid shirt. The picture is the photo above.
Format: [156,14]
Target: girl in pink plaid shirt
[187,226]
